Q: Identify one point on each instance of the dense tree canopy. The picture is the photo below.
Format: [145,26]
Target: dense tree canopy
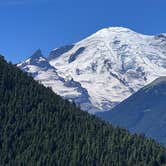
[38,127]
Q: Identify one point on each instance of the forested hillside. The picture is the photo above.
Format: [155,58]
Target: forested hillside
[39,128]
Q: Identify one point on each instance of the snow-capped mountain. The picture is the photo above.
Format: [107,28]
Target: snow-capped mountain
[38,67]
[109,65]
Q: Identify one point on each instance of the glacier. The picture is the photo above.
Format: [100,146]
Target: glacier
[100,71]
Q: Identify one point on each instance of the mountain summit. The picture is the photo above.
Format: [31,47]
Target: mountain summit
[110,65]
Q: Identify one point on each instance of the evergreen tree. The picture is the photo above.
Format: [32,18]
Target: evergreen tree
[38,127]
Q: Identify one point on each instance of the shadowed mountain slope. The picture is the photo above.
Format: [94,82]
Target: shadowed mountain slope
[143,112]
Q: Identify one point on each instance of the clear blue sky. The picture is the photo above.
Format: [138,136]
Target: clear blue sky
[26,25]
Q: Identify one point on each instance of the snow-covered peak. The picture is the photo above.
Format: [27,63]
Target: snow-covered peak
[109,65]
[113,63]
[115,30]
[37,60]
[39,67]
[111,33]
[37,57]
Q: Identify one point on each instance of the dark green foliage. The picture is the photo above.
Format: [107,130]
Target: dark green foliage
[39,128]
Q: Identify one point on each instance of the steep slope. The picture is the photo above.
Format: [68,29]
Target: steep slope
[37,127]
[39,68]
[143,112]
[112,64]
